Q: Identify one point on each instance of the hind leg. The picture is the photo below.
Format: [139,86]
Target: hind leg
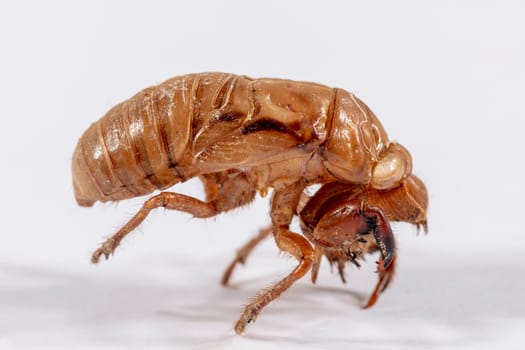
[222,194]
[228,190]
[243,252]
[168,200]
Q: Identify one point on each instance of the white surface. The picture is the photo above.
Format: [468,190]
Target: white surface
[446,80]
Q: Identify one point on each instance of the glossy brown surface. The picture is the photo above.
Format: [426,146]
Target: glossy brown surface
[407,202]
[346,222]
[278,131]
[241,136]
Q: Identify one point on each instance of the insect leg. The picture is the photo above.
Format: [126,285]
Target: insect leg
[385,276]
[224,191]
[284,203]
[228,190]
[168,200]
[243,252]
[386,244]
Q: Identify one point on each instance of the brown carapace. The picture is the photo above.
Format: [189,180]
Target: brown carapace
[244,136]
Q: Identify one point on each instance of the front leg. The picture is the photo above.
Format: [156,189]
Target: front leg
[385,276]
[284,204]
[386,245]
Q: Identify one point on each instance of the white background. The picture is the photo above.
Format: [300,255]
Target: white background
[446,78]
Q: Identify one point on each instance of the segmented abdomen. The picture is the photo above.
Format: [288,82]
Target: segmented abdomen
[135,147]
[199,122]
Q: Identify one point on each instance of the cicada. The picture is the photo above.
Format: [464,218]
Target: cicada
[243,136]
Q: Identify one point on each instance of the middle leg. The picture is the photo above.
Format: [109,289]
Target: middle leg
[284,203]
[243,252]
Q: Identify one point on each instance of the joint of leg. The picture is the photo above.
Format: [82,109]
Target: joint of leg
[155,202]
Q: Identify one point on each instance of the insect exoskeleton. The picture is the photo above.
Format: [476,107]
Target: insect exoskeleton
[345,222]
[240,136]
[212,122]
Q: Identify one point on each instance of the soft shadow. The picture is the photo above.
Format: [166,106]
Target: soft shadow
[460,300]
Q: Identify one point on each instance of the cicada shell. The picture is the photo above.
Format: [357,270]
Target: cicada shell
[243,136]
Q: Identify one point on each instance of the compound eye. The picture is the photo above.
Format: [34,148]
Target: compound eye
[394,165]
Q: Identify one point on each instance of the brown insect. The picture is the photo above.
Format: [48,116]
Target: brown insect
[241,136]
